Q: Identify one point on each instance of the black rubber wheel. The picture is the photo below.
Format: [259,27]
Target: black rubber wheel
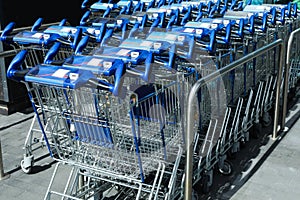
[26,170]
[256,130]
[227,168]
[230,154]
[195,196]
[266,119]
[205,184]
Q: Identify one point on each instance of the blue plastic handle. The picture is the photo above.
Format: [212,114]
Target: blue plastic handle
[133,30]
[77,38]
[137,6]
[172,56]
[84,4]
[8,29]
[154,25]
[37,24]
[147,76]
[62,22]
[294,11]
[102,29]
[82,44]
[123,10]
[52,52]
[84,18]
[118,70]
[107,35]
[129,7]
[191,44]
[107,12]
[15,66]
[171,22]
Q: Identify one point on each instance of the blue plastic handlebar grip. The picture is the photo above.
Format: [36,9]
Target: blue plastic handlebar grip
[82,44]
[52,53]
[15,66]
[7,30]
[37,24]
[84,18]
[147,76]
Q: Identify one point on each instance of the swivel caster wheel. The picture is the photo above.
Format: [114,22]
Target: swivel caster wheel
[205,184]
[226,168]
[27,164]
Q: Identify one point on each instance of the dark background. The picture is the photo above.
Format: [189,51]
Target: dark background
[13,95]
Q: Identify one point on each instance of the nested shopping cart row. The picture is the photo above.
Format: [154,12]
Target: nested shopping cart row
[114,106]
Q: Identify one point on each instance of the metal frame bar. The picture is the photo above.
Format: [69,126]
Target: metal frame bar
[201,82]
[287,74]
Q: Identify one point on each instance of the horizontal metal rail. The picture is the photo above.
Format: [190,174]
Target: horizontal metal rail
[8,53]
[201,82]
[29,27]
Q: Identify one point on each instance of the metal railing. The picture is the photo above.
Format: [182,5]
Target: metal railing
[292,38]
[213,76]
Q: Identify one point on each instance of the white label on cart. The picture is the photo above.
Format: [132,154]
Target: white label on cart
[65,30]
[225,22]
[217,21]
[171,37]
[169,11]
[46,36]
[95,62]
[139,19]
[146,44]
[73,30]
[97,32]
[60,73]
[37,35]
[188,30]
[107,64]
[123,52]
[237,21]
[73,76]
[155,15]
[134,54]
[157,45]
[110,5]
[214,25]
[91,30]
[72,127]
[162,10]
[205,25]
[119,21]
[199,31]
[181,38]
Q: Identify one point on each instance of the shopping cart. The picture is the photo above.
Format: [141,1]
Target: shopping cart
[37,44]
[119,141]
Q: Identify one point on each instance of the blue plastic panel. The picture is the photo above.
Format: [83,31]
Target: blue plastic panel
[63,31]
[59,76]
[33,37]
[97,65]
[134,56]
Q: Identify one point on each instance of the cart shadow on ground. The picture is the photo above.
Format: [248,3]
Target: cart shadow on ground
[248,160]
[243,166]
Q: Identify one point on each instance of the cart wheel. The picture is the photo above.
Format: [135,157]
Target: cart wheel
[195,196]
[205,184]
[266,119]
[27,164]
[256,130]
[27,169]
[226,169]
[231,155]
